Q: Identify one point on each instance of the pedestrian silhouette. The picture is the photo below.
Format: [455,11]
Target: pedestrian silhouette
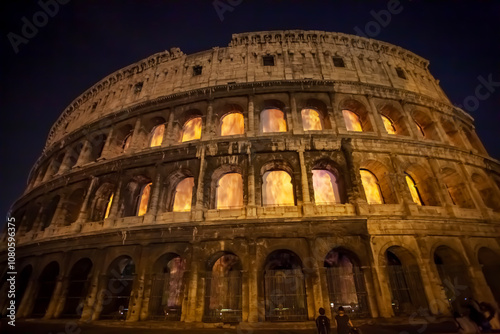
[344,324]
[322,322]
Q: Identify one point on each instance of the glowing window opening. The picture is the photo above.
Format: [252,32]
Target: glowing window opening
[272,120]
[311,120]
[389,125]
[352,121]
[126,141]
[232,124]
[183,195]
[277,189]
[325,187]
[143,203]
[108,206]
[230,191]
[420,128]
[415,195]
[191,130]
[157,135]
[371,187]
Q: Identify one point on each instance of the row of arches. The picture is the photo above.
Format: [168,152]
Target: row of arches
[278,187]
[231,120]
[282,283]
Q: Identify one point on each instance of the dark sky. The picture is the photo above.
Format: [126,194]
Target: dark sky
[87,40]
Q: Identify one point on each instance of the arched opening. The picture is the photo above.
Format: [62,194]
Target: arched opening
[490,265]
[425,125]
[103,199]
[326,189]
[425,184]
[272,120]
[78,288]
[284,287]
[183,196]
[388,125]
[352,121]
[46,285]
[97,146]
[167,288]
[407,289]
[191,129]
[232,124]
[311,120]
[22,283]
[73,206]
[457,189]
[223,289]
[453,134]
[474,140]
[120,279]
[31,215]
[371,187]
[412,186]
[74,154]
[143,203]
[156,135]
[277,189]
[487,192]
[346,283]
[229,191]
[453,273]
[49,211]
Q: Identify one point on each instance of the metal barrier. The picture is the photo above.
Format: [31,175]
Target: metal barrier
[165,300]
[75,297]
[407,289]
[285,295]
[223,297]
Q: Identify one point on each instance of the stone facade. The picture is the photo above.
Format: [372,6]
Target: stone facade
[444,248]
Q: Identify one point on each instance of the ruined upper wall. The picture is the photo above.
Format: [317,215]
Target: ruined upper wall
[298,55]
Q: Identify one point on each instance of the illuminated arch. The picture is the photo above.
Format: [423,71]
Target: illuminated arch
[352,121]
[142,206]
[157,135]
[277,188]
[232,124]
[311,120]
[272,120]
[388,125]
[192,129]
[371,187]
[415,194]
[326,190]
[230,191]
[183,195]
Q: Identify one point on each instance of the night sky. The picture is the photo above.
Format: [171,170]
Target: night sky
[87,40]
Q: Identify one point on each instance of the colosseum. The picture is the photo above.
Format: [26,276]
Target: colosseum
[256,183]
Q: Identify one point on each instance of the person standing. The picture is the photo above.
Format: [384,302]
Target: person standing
[344,324]
[322,322]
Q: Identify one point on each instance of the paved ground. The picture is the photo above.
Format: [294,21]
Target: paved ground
[61,327]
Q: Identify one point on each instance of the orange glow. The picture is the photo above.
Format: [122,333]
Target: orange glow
[311,120]
[230,191]
[413,190]
[232,124]
[108,207]
[192,129]
[352,122]
[126,142]
[389,126]
[277,188]
[157,135]
[371,187]
[143,204]
[420,129]
[184,195]
[325,187]
[272,120]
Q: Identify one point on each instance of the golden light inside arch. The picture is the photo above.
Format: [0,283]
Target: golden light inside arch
[143,203]
[126,142]
[172,290]
[352,121]
[277,188]
[389,125]
[371,187]
[413,190]
[192,129]
[184,195]
[224,284]
[232,124]
[325,187]
[420,128]
[273,120]
[108,206]
[311,120]
[230,191]
[157,135]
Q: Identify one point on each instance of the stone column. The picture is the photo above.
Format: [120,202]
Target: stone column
[84,211]
[94,293]
[58,297]
[251,116]
[150,215]
[298,127]
[306,196]
[207,132]
[58,217]
[113,211]
[167,135]
[192,295]
[253,290]
[197,213]
[476,197]
[106,151]
[380,284]
[412,127]
[402,192]
[443,195]
[85,153]
[136,296]
[37,224]
[26,305]
[136,144]
[251,208]
[375,118]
